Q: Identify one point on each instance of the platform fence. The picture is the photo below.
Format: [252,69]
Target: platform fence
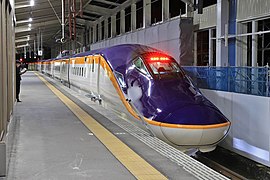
[246,80]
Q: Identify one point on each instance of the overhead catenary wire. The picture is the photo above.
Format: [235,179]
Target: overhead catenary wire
[54,11]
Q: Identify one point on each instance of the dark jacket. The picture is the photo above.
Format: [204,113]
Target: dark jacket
[18,74]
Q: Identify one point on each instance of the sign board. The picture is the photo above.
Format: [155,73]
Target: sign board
[40,52]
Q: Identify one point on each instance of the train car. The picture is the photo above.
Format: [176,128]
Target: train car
[153,91]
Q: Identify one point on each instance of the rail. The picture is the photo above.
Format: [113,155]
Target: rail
[218,167]
[246,80]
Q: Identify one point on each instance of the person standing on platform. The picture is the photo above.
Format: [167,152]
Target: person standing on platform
[19,72]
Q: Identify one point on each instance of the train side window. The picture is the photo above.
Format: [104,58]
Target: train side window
[140,66]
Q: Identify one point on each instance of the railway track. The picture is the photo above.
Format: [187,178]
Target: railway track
[232,165]
[218,167]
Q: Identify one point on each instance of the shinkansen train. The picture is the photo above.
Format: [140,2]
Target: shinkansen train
[148,86]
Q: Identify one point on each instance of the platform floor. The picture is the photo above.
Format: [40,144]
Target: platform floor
[49,141]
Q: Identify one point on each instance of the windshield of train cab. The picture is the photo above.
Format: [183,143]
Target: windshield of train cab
[163,66]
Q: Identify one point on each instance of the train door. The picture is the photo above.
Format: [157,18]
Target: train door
[68,72]
[94,74]
[72,70]
[98,74]
[62,69]
[89,72]
[52,67]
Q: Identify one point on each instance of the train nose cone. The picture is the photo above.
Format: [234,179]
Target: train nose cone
[195,115]
[195,126]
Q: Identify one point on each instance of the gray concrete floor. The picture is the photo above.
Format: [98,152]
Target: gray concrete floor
[51,143]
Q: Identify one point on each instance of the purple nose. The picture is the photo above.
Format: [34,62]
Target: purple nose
[195,115]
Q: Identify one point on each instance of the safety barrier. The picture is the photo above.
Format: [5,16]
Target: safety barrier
[246,80]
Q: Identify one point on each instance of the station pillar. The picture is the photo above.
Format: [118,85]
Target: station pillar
[133,17]
[106,28]
[222,20]
[254,43]
[95,33]
[99,31]
[122,22]
[113,25]
[146,13]
[90,35]
[165,10]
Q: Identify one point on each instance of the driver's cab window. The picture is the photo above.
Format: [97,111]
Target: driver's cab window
[140,66]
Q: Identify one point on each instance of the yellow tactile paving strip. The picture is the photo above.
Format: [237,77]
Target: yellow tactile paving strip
[132,161]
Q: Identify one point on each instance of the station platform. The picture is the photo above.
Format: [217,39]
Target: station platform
[58,133]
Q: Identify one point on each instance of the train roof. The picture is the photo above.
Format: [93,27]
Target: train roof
[120,47]
[117,56]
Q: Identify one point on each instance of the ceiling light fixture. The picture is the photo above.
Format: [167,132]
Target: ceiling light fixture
[30,20]
[32,3]
[29,25]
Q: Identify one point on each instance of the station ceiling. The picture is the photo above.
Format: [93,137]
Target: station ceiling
[44,16]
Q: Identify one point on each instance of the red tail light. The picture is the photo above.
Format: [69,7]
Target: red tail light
[159,58]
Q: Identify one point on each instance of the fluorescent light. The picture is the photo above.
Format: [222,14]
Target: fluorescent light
[32,3]
[29,25]
[29,29]
[30,20]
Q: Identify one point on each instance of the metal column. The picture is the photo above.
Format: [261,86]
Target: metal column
[90,35]
[165,10]
[95,33]
[99,31]
[106,28]
[222,20]
[113,25]
[122,22]
[210,56]
[195,49]
[133,17]
[254,43]
[146,13]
